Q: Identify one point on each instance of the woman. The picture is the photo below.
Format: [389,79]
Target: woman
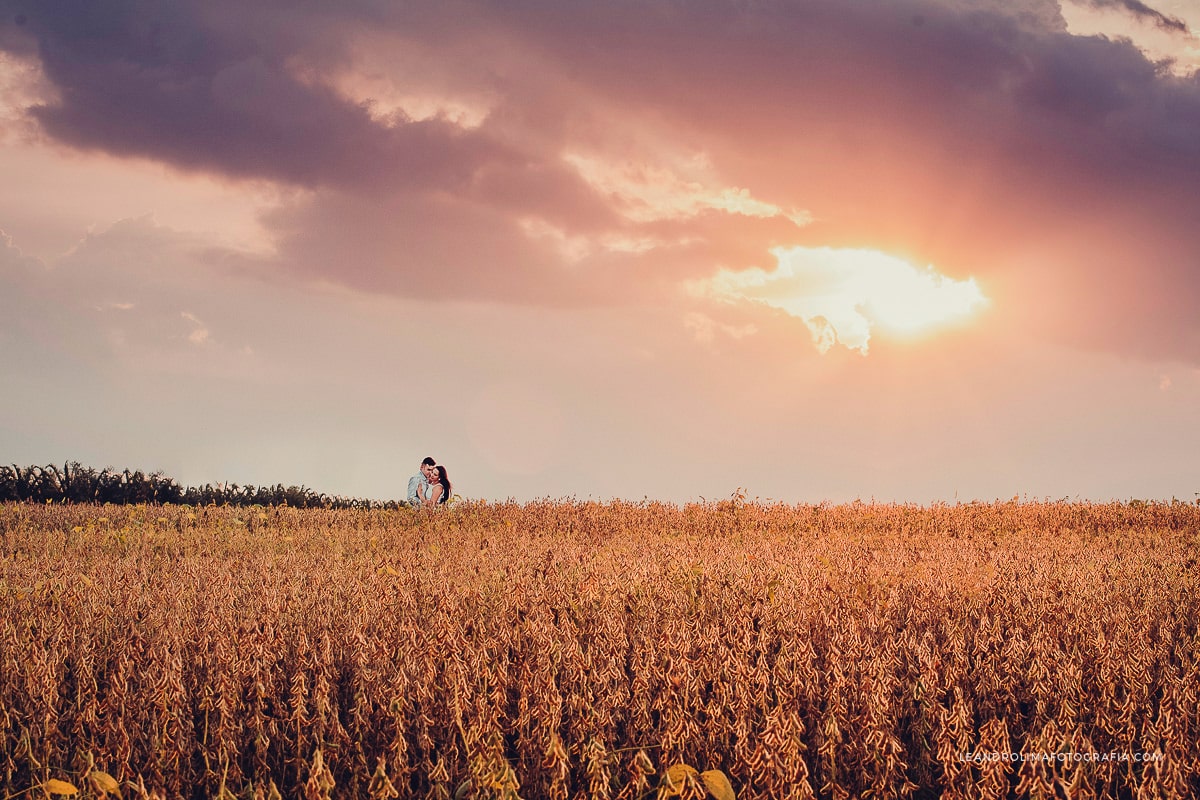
[439,492]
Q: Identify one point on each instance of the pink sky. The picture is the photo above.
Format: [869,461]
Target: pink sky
[822,250]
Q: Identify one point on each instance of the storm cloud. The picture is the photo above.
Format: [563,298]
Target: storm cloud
[536,152]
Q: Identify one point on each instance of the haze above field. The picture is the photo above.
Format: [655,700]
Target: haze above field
[820,250]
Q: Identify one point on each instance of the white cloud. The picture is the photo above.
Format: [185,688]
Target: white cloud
[571,247]
[648,192]
[843,296]
[199,334]
[1160,43]
[22,84]
[576,247]
[398,83]
[705,328]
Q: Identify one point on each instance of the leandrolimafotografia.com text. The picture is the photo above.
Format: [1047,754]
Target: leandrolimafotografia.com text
[987,756]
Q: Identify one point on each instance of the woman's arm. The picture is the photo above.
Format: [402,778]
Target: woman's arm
[435,492]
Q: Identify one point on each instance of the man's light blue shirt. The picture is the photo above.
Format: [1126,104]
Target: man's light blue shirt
[415,483]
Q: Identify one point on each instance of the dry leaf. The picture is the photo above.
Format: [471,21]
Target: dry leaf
[675,777]
[55,786]
[104,783]
[718,785]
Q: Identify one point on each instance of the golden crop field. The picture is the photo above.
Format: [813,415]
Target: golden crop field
[565,649]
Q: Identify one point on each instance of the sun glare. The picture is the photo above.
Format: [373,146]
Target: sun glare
[843,296]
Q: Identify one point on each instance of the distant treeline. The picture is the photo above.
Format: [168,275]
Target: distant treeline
[78,484]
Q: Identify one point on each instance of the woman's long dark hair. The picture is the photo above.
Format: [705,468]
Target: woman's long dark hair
[445,481]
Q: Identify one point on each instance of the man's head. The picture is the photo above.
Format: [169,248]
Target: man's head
[428,467]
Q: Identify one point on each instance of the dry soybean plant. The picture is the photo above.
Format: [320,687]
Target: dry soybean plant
[564,649]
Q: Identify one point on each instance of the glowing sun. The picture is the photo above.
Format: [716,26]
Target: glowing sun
[845,295]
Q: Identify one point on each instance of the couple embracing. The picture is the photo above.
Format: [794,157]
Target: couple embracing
[430,487]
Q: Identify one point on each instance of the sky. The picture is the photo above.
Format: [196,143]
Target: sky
[811,251]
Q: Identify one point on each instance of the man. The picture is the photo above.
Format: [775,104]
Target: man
[418,485]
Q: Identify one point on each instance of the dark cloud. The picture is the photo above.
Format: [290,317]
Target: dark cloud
[418,246]
[186,84]
[982,137]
